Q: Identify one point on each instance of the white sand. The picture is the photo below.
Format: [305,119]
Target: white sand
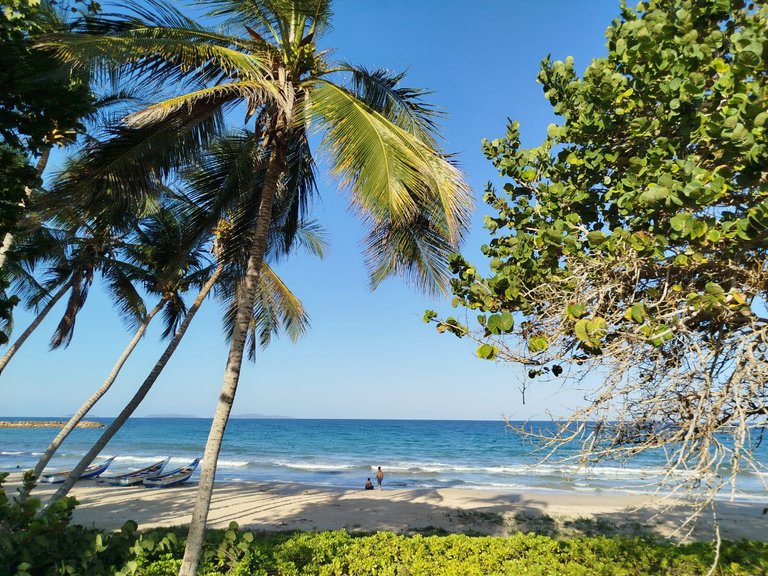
[274,506]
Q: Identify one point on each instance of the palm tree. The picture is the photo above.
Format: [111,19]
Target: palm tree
[37,240]
[221,190]
[167,261]
[380,140]
[276,309]
[73,265]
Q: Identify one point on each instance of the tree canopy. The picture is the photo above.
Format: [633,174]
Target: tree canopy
[632,242]
[41,105]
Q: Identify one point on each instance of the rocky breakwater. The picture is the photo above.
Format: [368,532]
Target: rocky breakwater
[47,424]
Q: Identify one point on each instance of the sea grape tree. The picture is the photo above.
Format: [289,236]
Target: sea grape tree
[632,243]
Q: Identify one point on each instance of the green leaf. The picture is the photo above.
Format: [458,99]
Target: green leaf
[507,321]
[680,221]
[637,313]
[581,330]
[487,351]
[538,344]
[576,311]
[500,323]
[597,327]
[596,238]
[389,171]
[714,289]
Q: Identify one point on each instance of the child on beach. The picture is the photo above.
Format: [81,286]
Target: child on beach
[379,477]
[368,484]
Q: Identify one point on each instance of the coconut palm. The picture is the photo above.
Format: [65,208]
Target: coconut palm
[221,190]
[276,309]
[379,139]
[73,265]
[74,237]
[43,245]
[167,261]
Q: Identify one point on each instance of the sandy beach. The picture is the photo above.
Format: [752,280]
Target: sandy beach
[275,506]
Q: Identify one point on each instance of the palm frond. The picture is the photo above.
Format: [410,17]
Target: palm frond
[311,237]
[122,174]
[167,257]
[389,171]
[173,315]
[418,251]
[153,40]
[78,294]
[254,91]
[404,107]
[32,249]
[224,184]
[125,296]
[296,193]
[274,18]
[276,310]
[368,153]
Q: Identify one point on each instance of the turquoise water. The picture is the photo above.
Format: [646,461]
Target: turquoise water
[343,453]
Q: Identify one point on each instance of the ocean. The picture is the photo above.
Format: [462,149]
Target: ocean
[482,455]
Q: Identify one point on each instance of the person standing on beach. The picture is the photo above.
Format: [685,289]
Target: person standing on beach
[379,477]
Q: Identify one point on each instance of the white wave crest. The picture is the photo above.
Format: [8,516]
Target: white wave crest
[139,459]
[232,463]
[312,466]
[615,472]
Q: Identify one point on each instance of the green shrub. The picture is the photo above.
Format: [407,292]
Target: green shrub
[32,544]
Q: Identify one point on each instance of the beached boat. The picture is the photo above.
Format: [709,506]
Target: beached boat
[172,478]
[138,476]
[92,471]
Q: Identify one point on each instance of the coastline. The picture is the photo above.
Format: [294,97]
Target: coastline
[48,424]
[273,506]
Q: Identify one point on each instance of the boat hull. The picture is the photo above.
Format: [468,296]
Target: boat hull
[173,478]
[137,477]
[93,471]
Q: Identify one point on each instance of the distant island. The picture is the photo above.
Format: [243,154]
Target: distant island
[47,424]
[250,415]
[169,416]
[262,416]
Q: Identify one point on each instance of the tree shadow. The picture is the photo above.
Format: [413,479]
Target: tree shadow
[288,507]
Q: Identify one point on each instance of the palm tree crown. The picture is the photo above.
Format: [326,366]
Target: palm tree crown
[380,138]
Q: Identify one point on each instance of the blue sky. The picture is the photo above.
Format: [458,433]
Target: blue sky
[367,355]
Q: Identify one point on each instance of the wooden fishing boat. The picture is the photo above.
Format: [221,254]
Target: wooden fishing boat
[92,471]
[172,478]
[138,476]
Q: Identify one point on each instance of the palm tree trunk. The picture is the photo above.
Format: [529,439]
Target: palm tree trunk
[275,170]
[35,323]
[118,422]
[8,238]
[86,407]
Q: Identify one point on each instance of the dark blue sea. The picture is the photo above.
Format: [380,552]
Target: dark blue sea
[483,455]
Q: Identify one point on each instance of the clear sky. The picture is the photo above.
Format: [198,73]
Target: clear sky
[368,354]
